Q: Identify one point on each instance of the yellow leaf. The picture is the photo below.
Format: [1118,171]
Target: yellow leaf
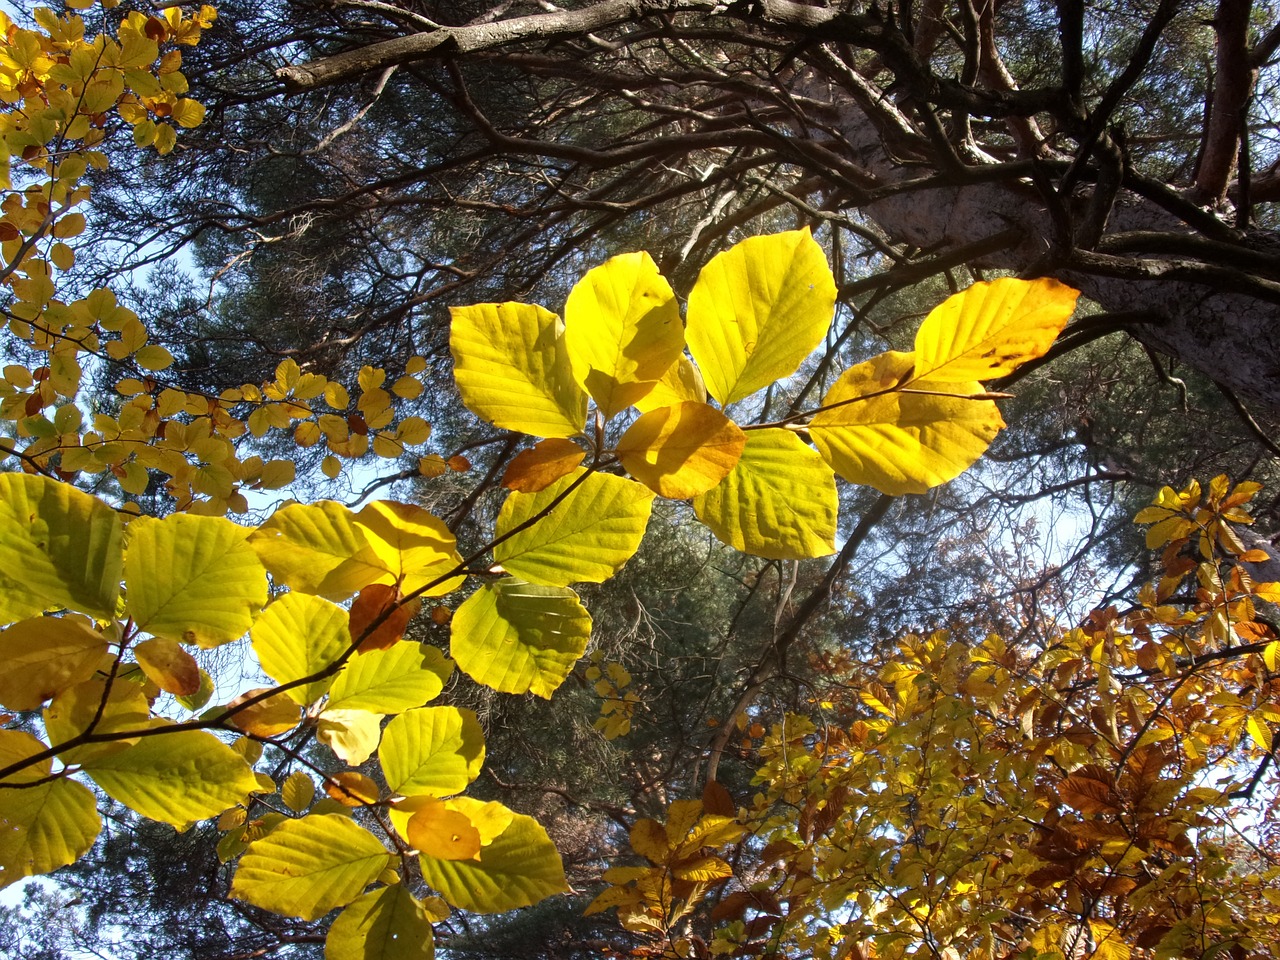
[351,734]
[277,474]
[897,440]
[412,431]
[779,501]
[757,310]
[416,548]
[439,832]
[513,369]
[351,789]
[319,548]
[297,791]
[622,329]
[43,656]
[153,357]
[266,718]
[991,329]
[383,924]
[331,466]
[681,451]
[299,635]
[681,382]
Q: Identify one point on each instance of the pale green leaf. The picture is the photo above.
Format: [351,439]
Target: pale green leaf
[513,369]
[757,310]
[174,777]
[304,868]
[991,329]
[43,656]
[383,924]
[318,548]
[593,529]
[681,451]
[622,329]
[192,578]
[900,440]
[519,868]
[402,676]
[59,547]
[779,501]
[432,750]
[519,637]
[297,636]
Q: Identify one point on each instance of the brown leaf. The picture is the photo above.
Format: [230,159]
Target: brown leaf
[369,607]
[351,789]
[716,799]
[1088,795]
[170,667]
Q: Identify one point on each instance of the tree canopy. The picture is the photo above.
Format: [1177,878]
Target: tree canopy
[720,611]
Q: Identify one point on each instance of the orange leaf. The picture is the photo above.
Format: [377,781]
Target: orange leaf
[542,465]
[459,463]
[266,718]
[168,666]
[351,789]
[379,603]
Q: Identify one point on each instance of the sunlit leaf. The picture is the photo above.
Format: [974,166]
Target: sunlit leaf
[299,635]
[414,546]
[351,734]
[587,536]
[897,440]
[437,831]
[169,666]
[297,791]
[518,868]
[264,718]
[991,329]
[383,924]
[351,789]
[622,329]
[304,868]
[192,578]
[318,548]
[59,547]
[681,451]
[387,681]
[432,750]
[110,710]
[513,369]
[174,777]
[757,310]
[779,501]
[542,465]
[43,656]
[519,637]
[682,382]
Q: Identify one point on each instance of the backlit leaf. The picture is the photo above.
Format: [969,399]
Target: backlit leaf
[59,547]
[513,369]
[991,329]
[169,666]
[757,310]
[622,329]
[519,637]
[439,832]
[193,578]
[901,441]
[297,791]
[399,678]
[318,548]
[779,501]
[517,869]
[351,734]
[174,777]
[681,451]
[44,827]
[682,382]
[299,635]
[415,547]
[378,617]
[432,750]
[542,465]
[265,718]
[351,789]
[122,707]
[304,868]
[43,656]
[383,924]
[588,535]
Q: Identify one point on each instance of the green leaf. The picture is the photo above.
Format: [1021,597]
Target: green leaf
[192,578]
[59,547]
[44,827]
[513,369]
[413,546]
[393,680]
[174,777]
[43,656]
[304,868]
[587,536]
[519,637]
[991,329]
[517,869]
[681,451]
[757,310]
[298,635]
[297,791]
[779,501]
[873,431]
[435,751]
[318,548]
[622,329]
[383,924]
